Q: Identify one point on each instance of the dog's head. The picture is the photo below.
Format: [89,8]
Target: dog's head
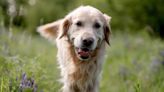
[86,28]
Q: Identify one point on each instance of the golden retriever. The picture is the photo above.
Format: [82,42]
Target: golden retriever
[81,39]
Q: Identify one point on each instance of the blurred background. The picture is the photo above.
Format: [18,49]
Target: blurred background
[134,61]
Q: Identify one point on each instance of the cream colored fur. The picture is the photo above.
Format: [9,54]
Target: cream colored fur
[78,75]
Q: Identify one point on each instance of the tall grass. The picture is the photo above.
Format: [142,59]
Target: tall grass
[22,53]
[134,63]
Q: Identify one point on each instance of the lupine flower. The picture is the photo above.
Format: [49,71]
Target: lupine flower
[27,83]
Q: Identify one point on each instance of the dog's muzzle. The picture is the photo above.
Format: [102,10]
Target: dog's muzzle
[84,52]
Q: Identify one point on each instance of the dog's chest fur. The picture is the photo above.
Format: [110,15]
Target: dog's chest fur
[78,76]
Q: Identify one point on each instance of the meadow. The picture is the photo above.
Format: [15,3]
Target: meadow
[134,63]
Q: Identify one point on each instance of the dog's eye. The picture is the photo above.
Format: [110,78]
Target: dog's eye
[79,24]
[96,25]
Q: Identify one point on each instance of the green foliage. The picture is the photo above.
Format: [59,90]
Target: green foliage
[140,14]
[126,14]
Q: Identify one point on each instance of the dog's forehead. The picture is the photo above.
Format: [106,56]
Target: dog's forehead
[86,12]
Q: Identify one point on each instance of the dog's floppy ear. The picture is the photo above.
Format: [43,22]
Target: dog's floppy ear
[65,27]
[107,29]
[50,30]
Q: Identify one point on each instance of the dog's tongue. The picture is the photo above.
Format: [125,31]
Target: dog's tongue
[83,53]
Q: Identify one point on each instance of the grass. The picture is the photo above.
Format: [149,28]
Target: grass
[134,63]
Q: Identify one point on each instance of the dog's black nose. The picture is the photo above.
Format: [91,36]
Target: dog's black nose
[88,42]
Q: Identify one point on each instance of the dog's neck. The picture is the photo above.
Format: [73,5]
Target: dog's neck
[76,74]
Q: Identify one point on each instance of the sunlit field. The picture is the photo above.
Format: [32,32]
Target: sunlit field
[134,63]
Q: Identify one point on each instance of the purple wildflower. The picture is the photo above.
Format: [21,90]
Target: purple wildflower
[27,83]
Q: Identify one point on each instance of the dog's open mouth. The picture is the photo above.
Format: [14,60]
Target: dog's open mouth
[83,53]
